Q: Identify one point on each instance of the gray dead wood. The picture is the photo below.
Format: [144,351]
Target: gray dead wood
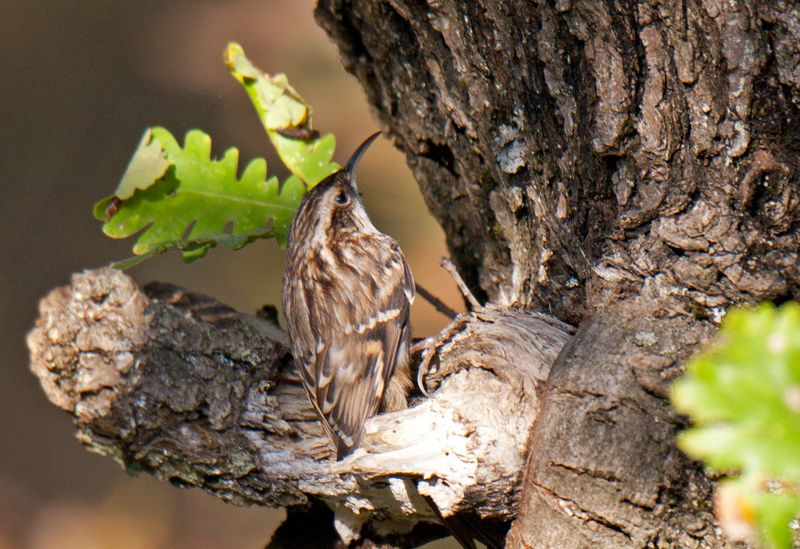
[180,386]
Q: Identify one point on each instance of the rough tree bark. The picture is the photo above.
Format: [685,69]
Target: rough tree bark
[629,167]
[180,386]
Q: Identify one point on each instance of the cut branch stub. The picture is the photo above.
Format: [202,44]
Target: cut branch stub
[171,383]
[189,390]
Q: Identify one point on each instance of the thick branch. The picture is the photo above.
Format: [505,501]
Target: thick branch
[191,391]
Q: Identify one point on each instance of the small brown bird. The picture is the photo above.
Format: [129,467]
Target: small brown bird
[346,294]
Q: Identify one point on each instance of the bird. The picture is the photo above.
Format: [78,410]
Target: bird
[346,295]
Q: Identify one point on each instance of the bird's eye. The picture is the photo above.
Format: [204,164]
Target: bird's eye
[342,198]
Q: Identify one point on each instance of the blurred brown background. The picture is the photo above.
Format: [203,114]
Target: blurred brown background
[79,82]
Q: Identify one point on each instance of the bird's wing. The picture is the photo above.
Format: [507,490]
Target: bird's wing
[356,362]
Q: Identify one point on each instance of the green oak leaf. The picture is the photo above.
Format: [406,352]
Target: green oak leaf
[147,165]
[174,197]
[743,395]
[280,108]
[200,203]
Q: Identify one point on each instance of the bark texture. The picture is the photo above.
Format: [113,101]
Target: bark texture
[185,388]
[593,145]
[629,166]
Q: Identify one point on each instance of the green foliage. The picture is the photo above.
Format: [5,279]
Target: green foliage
[198,202]
[744,397]
[280,108]
[177,197]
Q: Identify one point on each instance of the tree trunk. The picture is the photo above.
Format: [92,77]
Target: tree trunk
[629,167]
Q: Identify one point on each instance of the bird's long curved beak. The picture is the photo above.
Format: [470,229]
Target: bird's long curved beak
[350,167]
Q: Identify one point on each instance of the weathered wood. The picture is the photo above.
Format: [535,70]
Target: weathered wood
[187,389]
[631,167]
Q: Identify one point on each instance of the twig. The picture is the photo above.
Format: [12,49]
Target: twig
[437,303]
[428,347]
[451,268]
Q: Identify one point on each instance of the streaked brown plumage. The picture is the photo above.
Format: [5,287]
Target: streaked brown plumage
[347,292]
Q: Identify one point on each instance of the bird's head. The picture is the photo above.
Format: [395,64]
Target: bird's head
[334,207]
